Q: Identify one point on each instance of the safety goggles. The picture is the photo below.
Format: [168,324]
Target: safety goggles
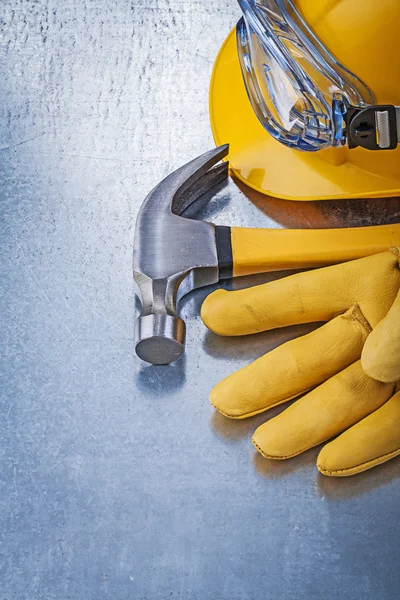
[300,93]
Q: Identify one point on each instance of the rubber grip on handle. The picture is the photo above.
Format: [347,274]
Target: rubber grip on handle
[264,250]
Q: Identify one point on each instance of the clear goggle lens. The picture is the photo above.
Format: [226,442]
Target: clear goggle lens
[297,89]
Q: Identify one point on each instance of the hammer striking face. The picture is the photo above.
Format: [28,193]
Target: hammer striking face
[174,255]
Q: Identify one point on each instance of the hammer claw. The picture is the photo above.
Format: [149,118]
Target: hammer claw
[195,178]
[190,200]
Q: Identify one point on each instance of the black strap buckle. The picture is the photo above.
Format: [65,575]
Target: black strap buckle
[362,128]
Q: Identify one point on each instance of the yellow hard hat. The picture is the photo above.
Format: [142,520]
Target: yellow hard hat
[307,94]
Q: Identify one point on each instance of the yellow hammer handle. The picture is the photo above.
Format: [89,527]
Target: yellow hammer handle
[262,250]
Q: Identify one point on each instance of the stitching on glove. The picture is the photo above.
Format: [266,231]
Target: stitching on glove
[261,410]
[272,457]
[387,456]
[287,455]
[247,415]
[355,314]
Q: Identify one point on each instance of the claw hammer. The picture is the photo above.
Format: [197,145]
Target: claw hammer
[174,254]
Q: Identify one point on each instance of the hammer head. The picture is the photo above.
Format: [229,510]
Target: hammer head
[173,255]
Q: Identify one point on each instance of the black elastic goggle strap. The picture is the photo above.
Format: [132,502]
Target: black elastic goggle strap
[374,127]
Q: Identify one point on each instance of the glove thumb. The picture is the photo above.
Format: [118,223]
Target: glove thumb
[380,357]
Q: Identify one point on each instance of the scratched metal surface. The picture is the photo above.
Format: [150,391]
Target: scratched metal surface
[117,479]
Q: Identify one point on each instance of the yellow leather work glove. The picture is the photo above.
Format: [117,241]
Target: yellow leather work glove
[351,363]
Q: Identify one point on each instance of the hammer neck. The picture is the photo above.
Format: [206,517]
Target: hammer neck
[224,251]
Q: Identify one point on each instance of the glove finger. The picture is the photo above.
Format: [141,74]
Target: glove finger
[293,368]
[372,441]
[380,355]
[333,407]
[307,297]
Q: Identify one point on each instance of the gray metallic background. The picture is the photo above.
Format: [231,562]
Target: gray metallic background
[117,480]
